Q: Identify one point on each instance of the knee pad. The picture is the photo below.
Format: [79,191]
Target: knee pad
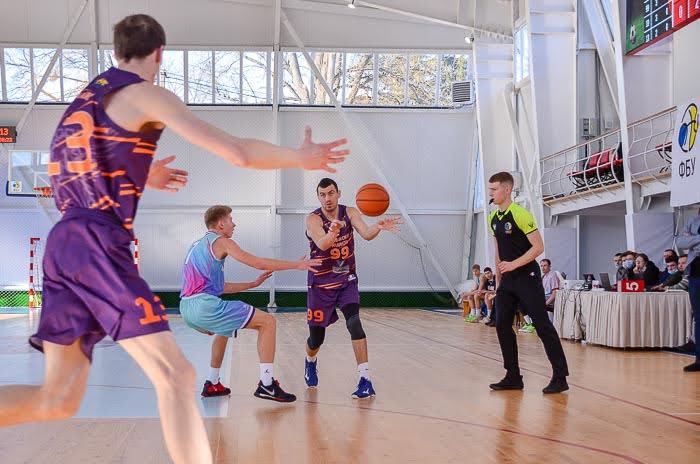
[316,337]
[354,326]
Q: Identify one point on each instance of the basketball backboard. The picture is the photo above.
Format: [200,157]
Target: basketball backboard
[25,171]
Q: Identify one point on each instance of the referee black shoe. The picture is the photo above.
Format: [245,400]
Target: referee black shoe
[556,385]
[695,367]
[509,382]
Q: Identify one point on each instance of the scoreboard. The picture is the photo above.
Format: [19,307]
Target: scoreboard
[650,20]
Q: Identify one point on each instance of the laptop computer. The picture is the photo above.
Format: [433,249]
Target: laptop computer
[605,281]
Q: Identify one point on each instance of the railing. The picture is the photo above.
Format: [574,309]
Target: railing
[595,166]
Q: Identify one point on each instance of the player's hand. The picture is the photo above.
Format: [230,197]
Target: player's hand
[506,266]
[161,177]
[304,264]
[261,278]
[314,156]
[336,226]
[390,224]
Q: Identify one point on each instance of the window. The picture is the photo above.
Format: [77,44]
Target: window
[522,54]
[330,64]
[255,83]
[453,68]
[199,77]
[75,72]
[422,77]
[359,78]
[296,79]
[18,74]
[51,92]
[172,72]
[106,60]
[391,80]
[227,77]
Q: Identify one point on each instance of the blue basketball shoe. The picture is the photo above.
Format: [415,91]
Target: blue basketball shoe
[310,374]
[364,389]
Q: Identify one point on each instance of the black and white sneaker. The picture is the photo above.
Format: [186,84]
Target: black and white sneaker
[274,392]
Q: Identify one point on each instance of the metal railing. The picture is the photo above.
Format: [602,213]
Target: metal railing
[595,166]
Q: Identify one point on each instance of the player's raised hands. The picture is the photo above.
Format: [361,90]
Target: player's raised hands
[261,278]
[304,264]
[314,156]
[161,177]
[390,224]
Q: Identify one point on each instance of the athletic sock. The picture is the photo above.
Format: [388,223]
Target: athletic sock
[488,313]
[528,319]
[213,375]
[266,374]
[311,359]
[363,370]
[473,312]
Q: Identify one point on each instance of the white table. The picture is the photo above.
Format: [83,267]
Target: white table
[624,320]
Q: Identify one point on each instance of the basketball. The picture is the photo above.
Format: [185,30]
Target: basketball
[372,200]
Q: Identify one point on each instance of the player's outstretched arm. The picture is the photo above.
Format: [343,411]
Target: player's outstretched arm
[314,227]
[161,105]
[236,287]
[233,250]
[370,232]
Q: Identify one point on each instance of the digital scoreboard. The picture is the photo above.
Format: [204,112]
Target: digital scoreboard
[650,20]
[8,134]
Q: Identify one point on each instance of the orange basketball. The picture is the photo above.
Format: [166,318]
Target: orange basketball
[372,200]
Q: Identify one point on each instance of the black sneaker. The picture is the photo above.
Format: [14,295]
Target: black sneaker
[556,385]
[509,382]
[274,392]
[695,367]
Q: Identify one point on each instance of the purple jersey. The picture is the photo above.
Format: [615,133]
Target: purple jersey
[95,164]
[338,265]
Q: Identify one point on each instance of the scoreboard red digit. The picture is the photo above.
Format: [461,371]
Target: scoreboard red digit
[8,134]
[650,20]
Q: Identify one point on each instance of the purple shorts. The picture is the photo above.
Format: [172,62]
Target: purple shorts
[322,303]
[91,286]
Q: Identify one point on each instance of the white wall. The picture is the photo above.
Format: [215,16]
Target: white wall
[685,63]
[600,238]
[422,153]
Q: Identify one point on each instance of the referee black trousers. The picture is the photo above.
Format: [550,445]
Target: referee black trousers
[523,289]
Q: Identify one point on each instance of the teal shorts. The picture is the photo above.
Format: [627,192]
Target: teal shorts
[212,315]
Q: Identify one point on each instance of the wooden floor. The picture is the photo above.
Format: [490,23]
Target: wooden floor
[431,372]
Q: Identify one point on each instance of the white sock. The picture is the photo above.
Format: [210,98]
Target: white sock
[311,358]
[363,370]
[528,319]
[488,313]
[473,313]
[266,374]
[213,375]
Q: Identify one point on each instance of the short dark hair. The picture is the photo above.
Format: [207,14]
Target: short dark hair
[215,214]
[683,256]
[672,259]
[137,36]
[643,256]
[629,252]
[327,182]
[487,269]
[619,254]
[504,177]
[549,263]
[476,266]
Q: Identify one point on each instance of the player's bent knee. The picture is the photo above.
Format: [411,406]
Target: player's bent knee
[316,338]
[354,326]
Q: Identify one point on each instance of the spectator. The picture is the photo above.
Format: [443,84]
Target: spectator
[487,292]
[646,270]
[676,280]
[668,253]
[471,289]
[550,282]
[627,270]
[690,240]
[617,260]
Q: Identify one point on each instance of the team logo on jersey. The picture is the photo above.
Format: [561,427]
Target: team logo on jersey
[101,82]
[508,227]
[340,267]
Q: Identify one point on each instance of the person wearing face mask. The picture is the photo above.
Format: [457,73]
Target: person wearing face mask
[668,253]
[673,273]
[626,272]
[646,270]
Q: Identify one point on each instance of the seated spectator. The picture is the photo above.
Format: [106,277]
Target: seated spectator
[471,290]
[668,253]
[550,282]
[627,270]
[487,292]
[617,261]
[646,270]
[677,280]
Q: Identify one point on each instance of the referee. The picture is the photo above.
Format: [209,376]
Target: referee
[519,285]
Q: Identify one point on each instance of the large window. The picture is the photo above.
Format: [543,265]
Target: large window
[245,77]
[522,54]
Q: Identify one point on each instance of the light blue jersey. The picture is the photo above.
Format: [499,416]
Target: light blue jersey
[203,272]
